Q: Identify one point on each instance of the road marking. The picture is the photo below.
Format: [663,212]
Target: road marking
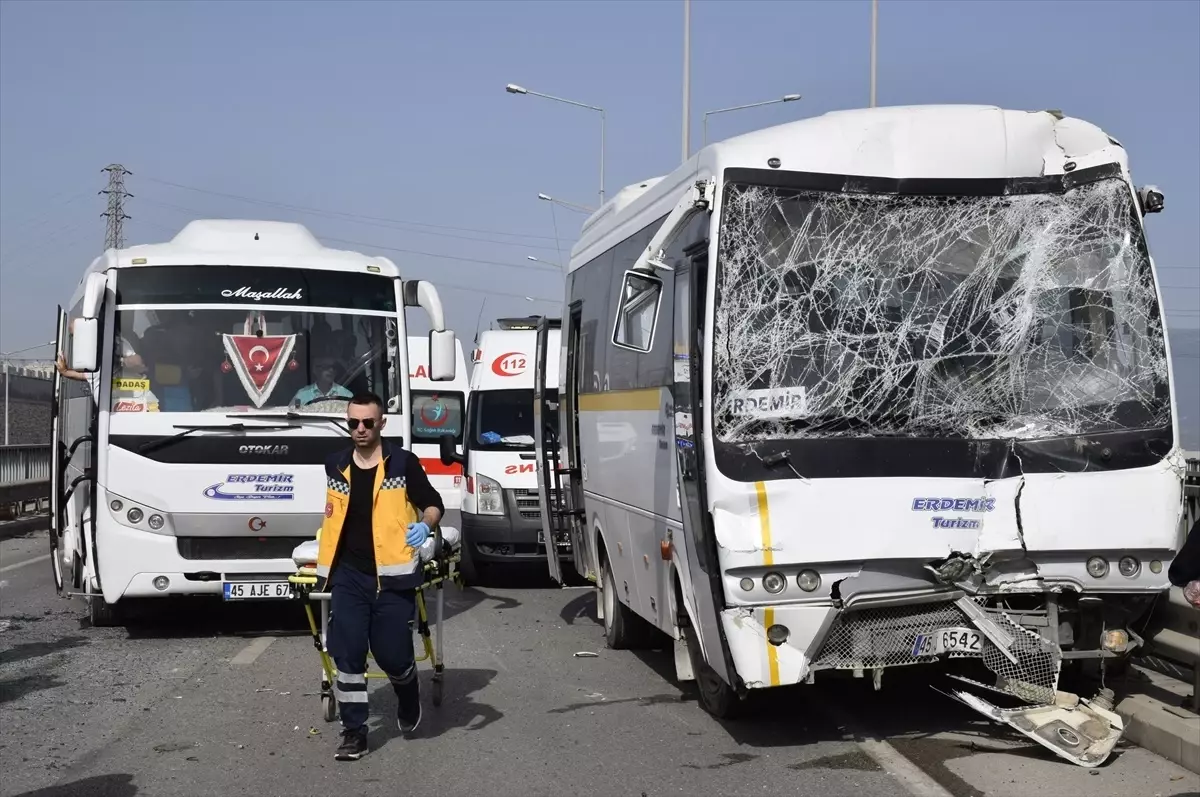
[15,565]
[915,781]
[251,652]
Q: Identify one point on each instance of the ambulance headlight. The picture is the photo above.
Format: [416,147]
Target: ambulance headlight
[489,498]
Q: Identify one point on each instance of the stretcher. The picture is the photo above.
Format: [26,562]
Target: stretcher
[440,556]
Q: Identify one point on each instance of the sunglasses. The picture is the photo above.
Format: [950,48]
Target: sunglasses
[368,423]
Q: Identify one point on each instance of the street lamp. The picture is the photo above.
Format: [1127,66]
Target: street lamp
[6,355]
[513,88]
[543,262]
[566,204]
[784,98]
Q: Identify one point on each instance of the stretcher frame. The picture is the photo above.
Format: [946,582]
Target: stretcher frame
[437,572]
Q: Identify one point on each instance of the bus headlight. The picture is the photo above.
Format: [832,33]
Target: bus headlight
[489,498]
[808,580]
[1129,566]
[116,505]
[1097,567]
[156,522]
[134,515]
[774,583]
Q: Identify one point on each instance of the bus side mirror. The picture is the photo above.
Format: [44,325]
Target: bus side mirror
[442,363]
[85,344]
[448,453]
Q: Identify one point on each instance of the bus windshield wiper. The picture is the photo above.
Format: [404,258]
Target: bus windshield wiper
[291,416]
[151,445]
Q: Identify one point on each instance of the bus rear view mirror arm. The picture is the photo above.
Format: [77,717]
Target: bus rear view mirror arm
[420,293]
[448,453]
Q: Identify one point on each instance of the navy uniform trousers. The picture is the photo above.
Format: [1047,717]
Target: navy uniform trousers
[360,619]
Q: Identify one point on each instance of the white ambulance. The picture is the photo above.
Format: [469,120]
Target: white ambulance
[437,409]
[501,512]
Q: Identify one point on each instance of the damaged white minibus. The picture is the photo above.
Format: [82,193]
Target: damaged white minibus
[873,389]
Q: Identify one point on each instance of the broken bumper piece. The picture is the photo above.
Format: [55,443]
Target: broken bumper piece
[1081,731]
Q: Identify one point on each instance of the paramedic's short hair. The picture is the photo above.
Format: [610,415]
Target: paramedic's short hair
[367,398]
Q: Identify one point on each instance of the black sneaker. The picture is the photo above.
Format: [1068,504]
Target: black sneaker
[353,746]
[408,710]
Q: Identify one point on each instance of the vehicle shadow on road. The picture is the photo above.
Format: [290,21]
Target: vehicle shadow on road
[192,618]
[459,710]
[98,786]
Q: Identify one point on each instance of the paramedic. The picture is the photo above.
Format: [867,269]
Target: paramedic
[379,509]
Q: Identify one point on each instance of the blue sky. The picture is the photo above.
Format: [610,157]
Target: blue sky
[397,111]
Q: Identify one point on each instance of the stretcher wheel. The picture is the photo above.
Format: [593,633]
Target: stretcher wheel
[437,692]
[328,708]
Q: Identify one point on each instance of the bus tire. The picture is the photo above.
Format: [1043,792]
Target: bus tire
[716,697]
[103,614]
[623,628]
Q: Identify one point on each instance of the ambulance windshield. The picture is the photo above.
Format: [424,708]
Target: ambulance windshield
[503,419]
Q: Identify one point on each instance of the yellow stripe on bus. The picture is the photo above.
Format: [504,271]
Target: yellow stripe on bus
[772,653]
[764,522]
[764,527]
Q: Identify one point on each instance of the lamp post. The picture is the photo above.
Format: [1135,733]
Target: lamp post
[874,39]
[687,80]
[543,262]
[5,355]
[566,204]
[784,98]
[513,88]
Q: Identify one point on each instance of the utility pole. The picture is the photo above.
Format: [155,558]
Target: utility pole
[687,79]
[874,39]
[114,232]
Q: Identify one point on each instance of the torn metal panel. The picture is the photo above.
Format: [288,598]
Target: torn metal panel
[1081,731]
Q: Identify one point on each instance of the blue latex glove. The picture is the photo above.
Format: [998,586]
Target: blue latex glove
[417,534]
[491,437]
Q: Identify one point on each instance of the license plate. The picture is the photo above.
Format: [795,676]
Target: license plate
[564,543]
[256,590]
[948,640]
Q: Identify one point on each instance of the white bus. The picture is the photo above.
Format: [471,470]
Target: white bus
[501,513]
[210,380]
[438,410]
[874,389]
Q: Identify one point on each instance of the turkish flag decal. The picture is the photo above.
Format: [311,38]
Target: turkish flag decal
[259,361]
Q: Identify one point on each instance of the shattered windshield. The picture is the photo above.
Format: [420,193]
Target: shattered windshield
[1018,316]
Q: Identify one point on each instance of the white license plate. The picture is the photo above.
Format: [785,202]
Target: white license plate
[256,590]
[560,544]
[948,640]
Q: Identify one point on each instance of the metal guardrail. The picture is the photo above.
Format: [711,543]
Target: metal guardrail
[24,479]
[21,464]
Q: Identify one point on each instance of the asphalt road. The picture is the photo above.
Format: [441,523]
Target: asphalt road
[214,699]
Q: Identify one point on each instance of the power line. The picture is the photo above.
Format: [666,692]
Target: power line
[340,214]
[202,214]
[114,232]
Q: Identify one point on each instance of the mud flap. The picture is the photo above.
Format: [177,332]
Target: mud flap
[1081,731]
